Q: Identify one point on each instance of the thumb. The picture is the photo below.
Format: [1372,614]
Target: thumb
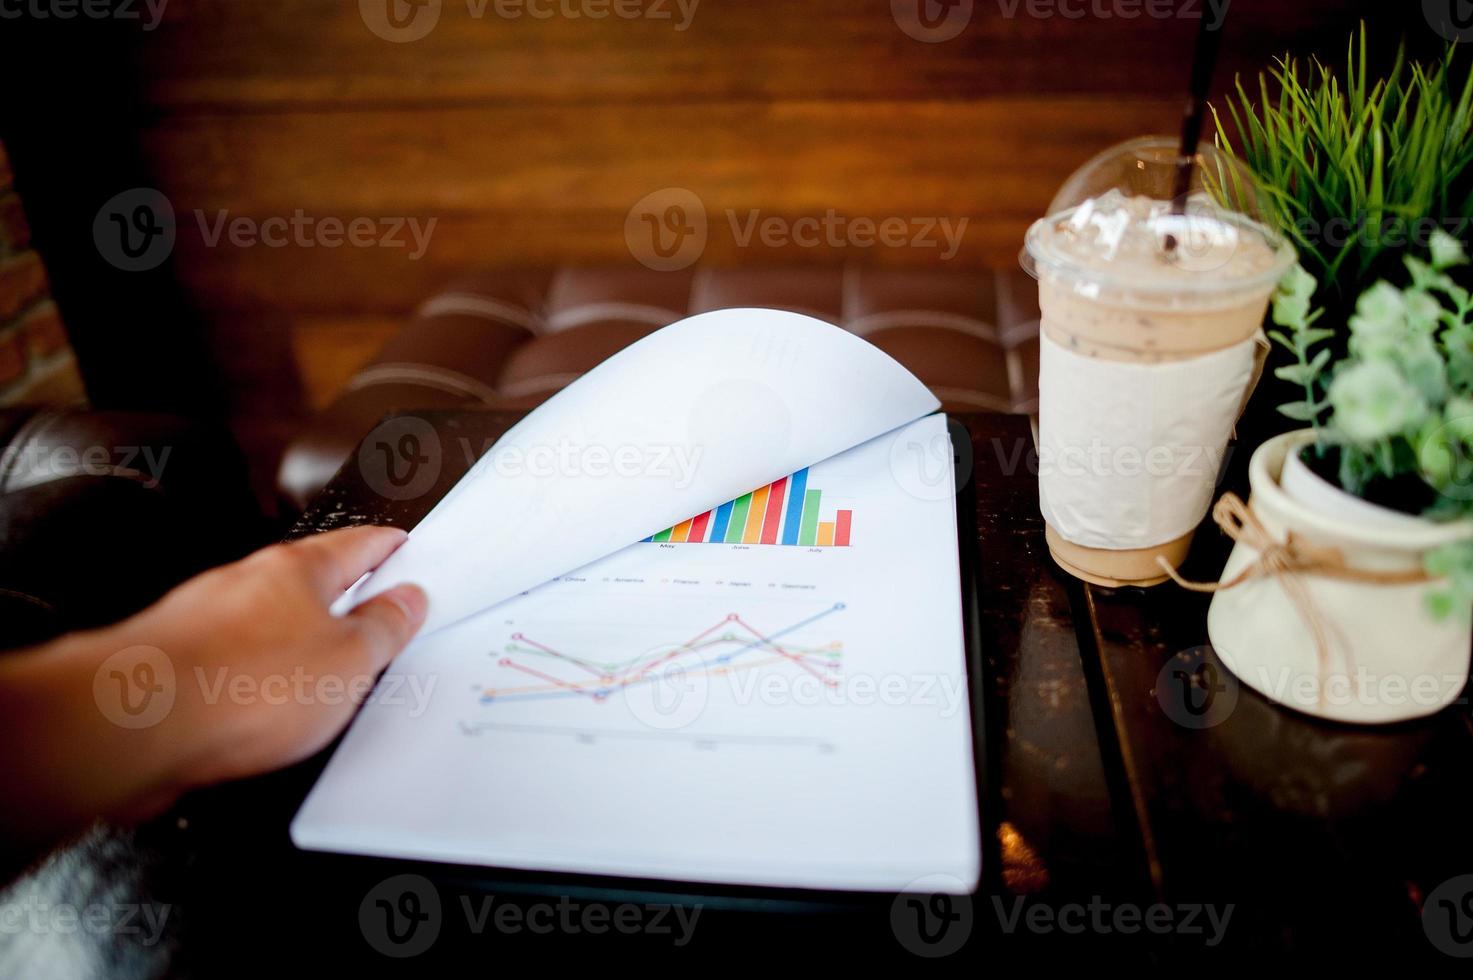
[388,621]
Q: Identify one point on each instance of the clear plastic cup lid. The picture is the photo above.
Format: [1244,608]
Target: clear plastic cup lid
[1116,226]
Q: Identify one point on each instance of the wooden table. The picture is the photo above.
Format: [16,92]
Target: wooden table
[1129,767]
[1128,776]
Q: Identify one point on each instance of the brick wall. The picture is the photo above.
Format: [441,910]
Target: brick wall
[36,362]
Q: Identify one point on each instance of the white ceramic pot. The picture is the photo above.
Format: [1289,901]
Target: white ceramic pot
[1387,659]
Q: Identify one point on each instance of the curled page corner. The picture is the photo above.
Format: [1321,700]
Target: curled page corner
[695,414]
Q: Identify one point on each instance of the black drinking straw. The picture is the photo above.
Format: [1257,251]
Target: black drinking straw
[1204,64]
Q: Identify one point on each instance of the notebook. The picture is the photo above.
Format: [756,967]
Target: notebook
[767,688]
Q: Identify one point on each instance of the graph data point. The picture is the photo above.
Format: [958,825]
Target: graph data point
[609,678]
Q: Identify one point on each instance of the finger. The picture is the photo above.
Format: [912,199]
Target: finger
[388,621]
[337,559]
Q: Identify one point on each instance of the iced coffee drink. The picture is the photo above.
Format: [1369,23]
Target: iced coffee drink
[1150,342]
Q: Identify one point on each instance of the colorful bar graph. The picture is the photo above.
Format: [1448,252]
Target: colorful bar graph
[756,515]
[785,512]
[808,532]
[774,512]
[842,522]
[738,518]
[795,507]
[723,518]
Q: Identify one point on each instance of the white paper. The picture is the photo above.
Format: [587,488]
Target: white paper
[708,407]
[802,719]
[1128,454]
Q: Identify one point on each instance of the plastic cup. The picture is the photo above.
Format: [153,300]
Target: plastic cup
[1152,341]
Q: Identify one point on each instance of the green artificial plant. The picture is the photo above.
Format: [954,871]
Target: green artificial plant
[1396,409]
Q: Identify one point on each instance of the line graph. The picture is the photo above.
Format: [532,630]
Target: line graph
[593,736]
[731,644]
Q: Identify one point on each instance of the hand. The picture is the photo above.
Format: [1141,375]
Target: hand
[251,673]
[266,676]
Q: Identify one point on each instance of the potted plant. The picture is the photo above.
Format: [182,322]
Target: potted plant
[1356,169]
[1349,590]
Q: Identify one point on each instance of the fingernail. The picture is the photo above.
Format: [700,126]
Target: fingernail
[412,601]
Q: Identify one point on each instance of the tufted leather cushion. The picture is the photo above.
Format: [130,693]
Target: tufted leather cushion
[103,512]
[509,341]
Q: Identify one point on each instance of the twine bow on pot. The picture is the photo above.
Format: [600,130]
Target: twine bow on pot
[1286,561]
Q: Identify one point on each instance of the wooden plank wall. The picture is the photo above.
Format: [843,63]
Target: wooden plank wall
[528,139]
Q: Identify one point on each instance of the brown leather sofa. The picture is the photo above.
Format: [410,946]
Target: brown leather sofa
[101,513]
[510,341]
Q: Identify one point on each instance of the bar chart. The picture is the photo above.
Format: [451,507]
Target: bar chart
[786,512]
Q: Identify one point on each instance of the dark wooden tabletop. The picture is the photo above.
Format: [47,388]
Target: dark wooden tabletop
[1141,807]
[1132,770]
